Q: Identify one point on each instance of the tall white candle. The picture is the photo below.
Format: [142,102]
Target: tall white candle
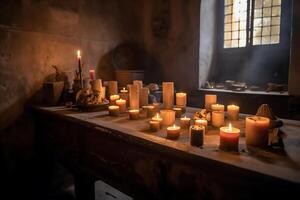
[181,99]
[209,100]
[144,93]
[218,118]
[112,87]
[168,117]
[133,97]
[168,95]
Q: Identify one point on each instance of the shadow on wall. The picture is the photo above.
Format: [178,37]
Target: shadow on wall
[128,56]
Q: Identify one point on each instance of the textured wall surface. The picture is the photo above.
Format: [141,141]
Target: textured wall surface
[171,35]
[36,34]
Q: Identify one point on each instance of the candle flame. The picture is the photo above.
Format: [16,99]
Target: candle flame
[174,125]
[157,115]
[123,88]
[230,127]
[78,54]
[184,116]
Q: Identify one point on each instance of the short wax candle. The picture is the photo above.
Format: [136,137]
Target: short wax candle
[113,110]
[181,99]
[113,99]
[134,114]
[209,100]
[185,122]
[257,133]
[229,138]
[168,117]
[218,118]
[178,112]
[124,95]
[173,132]
[157,118]
[201,122]
[217,107]
[92,74]
[197,135]
[122,104]
[154,125]
[124,90]
[150,110]
[233,112]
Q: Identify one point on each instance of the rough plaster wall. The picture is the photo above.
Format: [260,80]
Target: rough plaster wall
[207,38]
[294,69]
[37,34]
[171,35]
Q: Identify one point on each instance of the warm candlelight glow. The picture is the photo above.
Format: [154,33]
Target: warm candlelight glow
[78,54]
[230,127]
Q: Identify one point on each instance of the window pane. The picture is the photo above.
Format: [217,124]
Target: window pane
[257,13]
[274,39]
[228,10]
[267,12]
[256,41]
[266,21]
[276,2]
[275,21]
[242,43]
[276,11]
[257,32]
[258,3]
[275,30]
[243,35]
[227,19]
[257,22]
[266,40]
[227,27]
[227,35]
[235,43]
[235,26]
[267,3]
[235,35]
[227,44]
[266,31]
[228,2]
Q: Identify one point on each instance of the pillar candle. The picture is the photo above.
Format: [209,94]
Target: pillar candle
[257,133]
[113,110]
[168,95]
[133,97]
[217,107]
[122,105]
[181,99]
[197,135]
[138,83]
[144,93]
[218,118]
[103,93]
[92,74]
[201,122]
[113,99]
[168,117]
[154,125]
[233,112]
[209,100]
[185,122]
[173,132]
[150,110]
[134,114]
[229,138]
[112,87]
[97,85]
[178,112]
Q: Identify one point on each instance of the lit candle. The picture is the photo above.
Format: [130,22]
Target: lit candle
[157,118]
[144,93]
[124,95]
[209,100]
[178,112]
[197,135]
[134,97]
[124,90]
[229,138]
[168,117]
[185,122]
[113,99]
[168,95]
[218,118]
[201,122]
[80,68]
[134,114]
[173,132]
[257,133]
[181,99]
[113,110]
[154,125]
[92,74]
[122,104]
[233,112]
[112,87]
[217,107]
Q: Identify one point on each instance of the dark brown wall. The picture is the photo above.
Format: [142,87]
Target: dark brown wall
[171,35]
[36,34]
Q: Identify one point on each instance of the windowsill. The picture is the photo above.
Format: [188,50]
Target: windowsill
[246,92]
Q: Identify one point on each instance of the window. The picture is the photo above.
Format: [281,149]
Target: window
[245,24]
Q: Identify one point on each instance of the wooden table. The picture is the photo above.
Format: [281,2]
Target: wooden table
[146,165]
